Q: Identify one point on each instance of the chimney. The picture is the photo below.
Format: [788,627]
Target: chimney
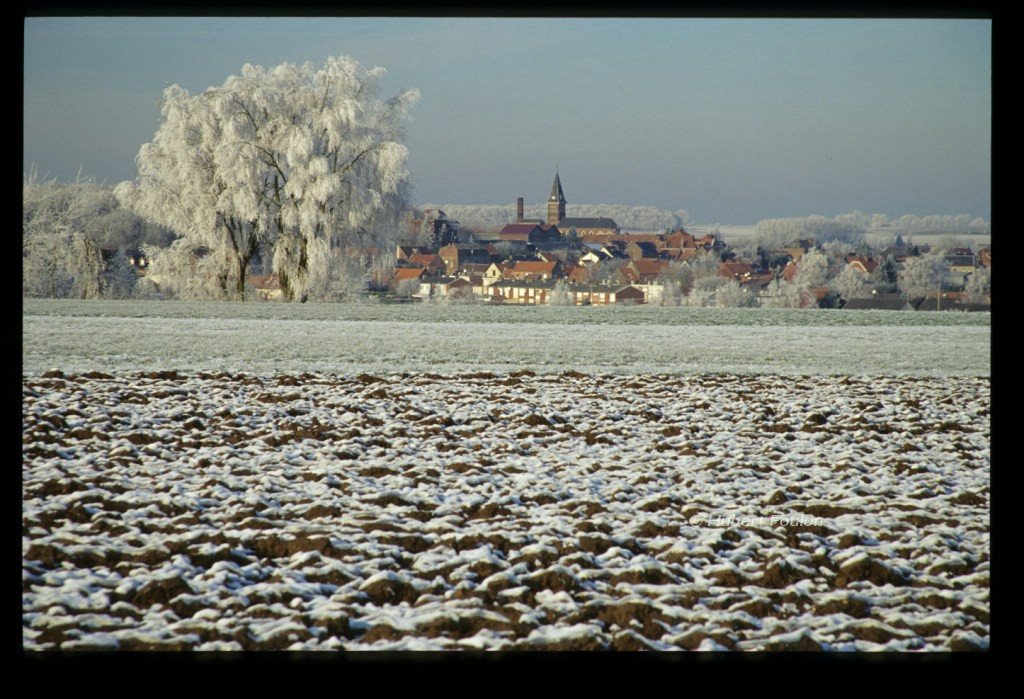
[519,210]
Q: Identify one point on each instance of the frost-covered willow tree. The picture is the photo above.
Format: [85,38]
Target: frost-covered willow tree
[294,163]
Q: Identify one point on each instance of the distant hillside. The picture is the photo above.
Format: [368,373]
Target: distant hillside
[628,217]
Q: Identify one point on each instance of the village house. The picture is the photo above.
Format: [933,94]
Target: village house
[864,265]
[593,256]
[643,271]
[680,240]
[530,233]
[679,254]
[880,302]
[960,267]
[535,270]
[606,294]
[476,270]
[740,271]
[756,285]
[578,274]
[433,264]
[403,274]
[444,286]
[404,252]
[457,255]
[798,248]
[532,293]
[495,272]
[641,250]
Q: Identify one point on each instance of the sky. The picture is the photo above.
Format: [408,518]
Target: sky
[733,120]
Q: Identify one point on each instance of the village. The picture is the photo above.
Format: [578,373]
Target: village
[590,261]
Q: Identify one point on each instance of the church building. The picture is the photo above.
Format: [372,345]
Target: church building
[556,216]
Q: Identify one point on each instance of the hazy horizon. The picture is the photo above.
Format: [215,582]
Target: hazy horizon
[732,120]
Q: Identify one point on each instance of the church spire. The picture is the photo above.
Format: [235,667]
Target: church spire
[556,190]
[556,203]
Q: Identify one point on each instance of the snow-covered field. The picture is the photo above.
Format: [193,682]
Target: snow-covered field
[624,487]
[82,336]
[505,511]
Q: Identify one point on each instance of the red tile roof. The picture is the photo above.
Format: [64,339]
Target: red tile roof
[534,267]
[789,273]
[425,260]
[403,273]
[736,270]
[866,264]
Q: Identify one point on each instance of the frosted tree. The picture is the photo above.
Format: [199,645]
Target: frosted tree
[782,294]
[671,291]
[295,161]
[407,287]
[922,275]
[850,283]
[837,248]
[732,295]
[435,230]
[60,255]
[709,285]
[885,272]
[185,270]
[704,265]
[697,298]
[812,270]
[779,232]
[978,286]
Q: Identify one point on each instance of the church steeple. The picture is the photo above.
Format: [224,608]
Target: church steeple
[556,202]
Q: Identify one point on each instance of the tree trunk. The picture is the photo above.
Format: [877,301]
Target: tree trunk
[286,287]
[243,266]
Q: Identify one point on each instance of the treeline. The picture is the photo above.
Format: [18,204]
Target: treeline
[851,227]
[645,218]
[66,229]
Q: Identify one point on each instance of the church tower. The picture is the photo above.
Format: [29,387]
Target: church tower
[556,203]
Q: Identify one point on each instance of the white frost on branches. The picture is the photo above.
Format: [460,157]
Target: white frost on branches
[783,294]
[60,255]
[779,232]
[732,295]
[978,285]
[812,269]
[850,283]
[294,163]
[922,275]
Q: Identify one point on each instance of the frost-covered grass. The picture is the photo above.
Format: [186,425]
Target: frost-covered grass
[485,313]
[78,336]
[321,511]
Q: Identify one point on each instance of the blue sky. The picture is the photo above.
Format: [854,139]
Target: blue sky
[733,120]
